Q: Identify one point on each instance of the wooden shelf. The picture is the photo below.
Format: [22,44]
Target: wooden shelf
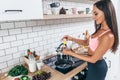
[82,1]
[67,16]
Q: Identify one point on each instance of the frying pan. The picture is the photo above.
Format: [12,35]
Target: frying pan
[63,64]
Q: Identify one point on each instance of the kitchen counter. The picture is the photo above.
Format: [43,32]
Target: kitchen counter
[54,73]
[60,76]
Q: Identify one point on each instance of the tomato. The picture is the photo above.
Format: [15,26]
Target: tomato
[16,79]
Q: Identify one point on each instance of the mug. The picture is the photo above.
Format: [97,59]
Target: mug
[54,10]
[87,10]
[32,66]
[74,10]
[39,64]
[55,4]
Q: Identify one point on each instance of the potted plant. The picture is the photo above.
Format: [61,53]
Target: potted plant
[26,57]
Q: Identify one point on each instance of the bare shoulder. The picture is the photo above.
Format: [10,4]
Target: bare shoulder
[108,37]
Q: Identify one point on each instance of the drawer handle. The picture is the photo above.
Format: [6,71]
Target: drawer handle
[13,10]
[109,64]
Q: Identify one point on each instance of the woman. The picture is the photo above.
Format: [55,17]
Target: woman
[104,38]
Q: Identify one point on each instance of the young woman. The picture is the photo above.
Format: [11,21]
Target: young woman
[104,38]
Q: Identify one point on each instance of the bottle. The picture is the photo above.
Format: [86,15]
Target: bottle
[64,43]
[31,56]
[32,62]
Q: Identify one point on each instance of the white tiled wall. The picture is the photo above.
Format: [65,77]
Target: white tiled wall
[39,35]
[15,41]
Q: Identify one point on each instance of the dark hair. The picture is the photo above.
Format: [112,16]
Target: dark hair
[110,16]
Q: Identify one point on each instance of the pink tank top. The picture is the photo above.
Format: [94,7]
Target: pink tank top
[93,42]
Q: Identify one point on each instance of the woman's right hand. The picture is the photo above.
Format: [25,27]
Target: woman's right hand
[67,37]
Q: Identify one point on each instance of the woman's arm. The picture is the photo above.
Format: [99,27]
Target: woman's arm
[79,41]
[104,44]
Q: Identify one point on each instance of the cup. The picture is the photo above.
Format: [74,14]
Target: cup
[32,66]
[39,65]
[87,10]
[74,10]
[55,10]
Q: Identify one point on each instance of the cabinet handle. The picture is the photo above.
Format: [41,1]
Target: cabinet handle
[109,64]
[13,10]
[105,58]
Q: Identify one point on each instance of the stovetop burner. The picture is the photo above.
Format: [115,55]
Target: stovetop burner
[51,63]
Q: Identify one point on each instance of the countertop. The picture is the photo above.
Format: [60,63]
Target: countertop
[54,73]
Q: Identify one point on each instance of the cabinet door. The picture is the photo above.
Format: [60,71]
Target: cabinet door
[20,9]
[113,65]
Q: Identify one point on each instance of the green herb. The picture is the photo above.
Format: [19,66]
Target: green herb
[18,70]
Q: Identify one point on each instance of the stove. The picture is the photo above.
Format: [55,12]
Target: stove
[51,63]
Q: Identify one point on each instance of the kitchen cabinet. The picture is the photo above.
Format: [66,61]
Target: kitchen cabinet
[20,10]
[11,10]
[112,61]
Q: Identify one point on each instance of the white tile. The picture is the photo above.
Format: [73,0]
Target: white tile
[33,34]
[4,45]
[50,31]
[2,52]
[38,28]
[23,47]
[41,22]
[47,37]
[3,32]
[11,50]
[18,54]
[27,41]
[41,43]
[22,36]
[57,30]
[46,27]
[3,65]
[9,38]
[31,23]
[50,41]
[1,40]
[26,30]
[33,45]
[16,43]
[13,62]
[5,58]
[36,39]
[7,25]
[7,69]
[14,31]
[47,46]
[42,33]
[20,24]
[39,49]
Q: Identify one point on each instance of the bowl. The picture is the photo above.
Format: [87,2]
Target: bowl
[80,12]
